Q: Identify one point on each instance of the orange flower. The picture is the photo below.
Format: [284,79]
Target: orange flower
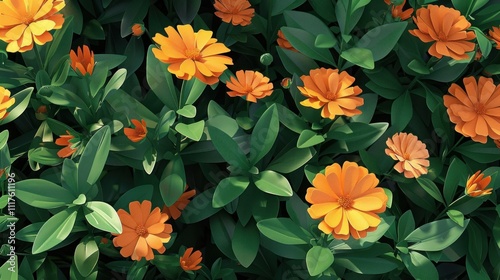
[283,42]
[143,230]
[192,54]
[410,152]
[83,61]
[23,22]
[137,29]
[475,111]
[332,91]
[65,140]
[397,10]
[447,29]
[189,261]
[175,209]
[476,185]
[347,199]
[5,102]
[138,133]
[238,12]
[251,84]
[495,36]
[497,143]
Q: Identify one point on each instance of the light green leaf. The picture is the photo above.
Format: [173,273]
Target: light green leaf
[318,259]
[228,190]
[55,230]
[102,216]
[193,131]
[284,231]
[435,236]
[273,183]
[43,194]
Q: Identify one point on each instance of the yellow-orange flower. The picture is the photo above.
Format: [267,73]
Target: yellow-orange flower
[495,36]
[476,185]
[175,209]
[23,22]
[138,29]
[332,91]
[283,42]
[397,10]
[192,54]
[138,133]
[251,84]
[143,230]
[82,61]
[236,12]
[410,152]
[447,29]
[5,102]
[475,111]
[191,260]
[64,140]
[347,199]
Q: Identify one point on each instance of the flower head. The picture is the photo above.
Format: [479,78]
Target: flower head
[175,209]
[251,84]
[23,22]
[332,91]
[475,111]
[347,199]
[143,230]
[283,42]
[82,61]
[397,10]
[495,36]
[190,260]
[447,29]
[138,133]
[476,185]
[66,140]
[192,54]
[236,12]
[138,29]
[5,102]
[410,152]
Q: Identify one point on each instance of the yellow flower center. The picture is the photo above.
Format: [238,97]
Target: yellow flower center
[141,230]
[331,95]
[480,109]
[406,156]
[194,54]
[345,201]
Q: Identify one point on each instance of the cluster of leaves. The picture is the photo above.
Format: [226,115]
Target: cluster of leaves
[250,163]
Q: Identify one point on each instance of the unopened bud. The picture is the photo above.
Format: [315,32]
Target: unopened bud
[266,59]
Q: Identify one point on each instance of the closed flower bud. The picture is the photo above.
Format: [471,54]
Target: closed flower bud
[286,83]
[138,29]
[266,59]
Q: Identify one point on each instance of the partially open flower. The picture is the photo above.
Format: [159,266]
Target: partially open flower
[476,185]
[138,133]
[397,10]
[175,209]
[251,84]
[5,102]
[138,29]
[190,260]
[495,36]
[236,12]
[410,152]
[82,61]
[65,140]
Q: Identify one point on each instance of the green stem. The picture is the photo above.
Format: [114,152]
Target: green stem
[449,206]
[454,146]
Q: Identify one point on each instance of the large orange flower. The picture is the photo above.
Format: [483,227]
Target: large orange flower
[251,84]
[447,29]
[175,209]
[143,230]
[332,91]
[495,36]
[236,12]
[397,10]
[65,140]
[138,133]
[5,102]
[190,261]
[475,111]
[192,54]
[347,199]
[283,42]
[23,22]
[410,152]
[82,61]
[476,185]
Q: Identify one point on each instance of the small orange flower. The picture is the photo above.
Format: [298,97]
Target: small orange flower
[332,91]
[475,111]
[447,29]
[347,200]
[83,61]
[189,261]
[251,84]
[410,152]
[138,133]
[192,54]
[283,42]
[5,102]
[397,10]
[143,230]
[495,36]
[23,22]
[138,29]
[286,82]
[476,185]
[65,140]
[236,12]
[175,209]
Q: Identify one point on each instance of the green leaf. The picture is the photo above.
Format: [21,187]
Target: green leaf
[264,134]
[367,109]
[359,56]
[228,190]
[228,149]
[482,153]
[9,270]
[245,243]
[382,39]
[367,265]
[61,72]
[311,24]
[222,230]
[139,193]
[43,194]
[108,61]
[193,131]
[191,90]
[278,7]
[456,216]
[93,30]
[60,45]
[309,138]
[62,97]
[273,183]
[435,236]
[186,11]
[303,41]
[384,83]
[430,187]
[291,160]
[149,160]
[318,259]
[98,79]
[419,266]
[484,43]
[94,157]
[188,111]
[173,181]
[284,231]
[200,208]
[102,216]
[401,111]
[296,62]
[55,230]
[116,81]
[225,123]
[348,13]
[22,99]
[354,136]
[86,256]
[406,225]
[160,81]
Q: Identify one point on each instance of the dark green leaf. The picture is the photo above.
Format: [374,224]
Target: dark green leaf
[419,266]
[173,181]
[401,111]
[94,157]
[228,190]
[264,134]
[245,243]
[284,231]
